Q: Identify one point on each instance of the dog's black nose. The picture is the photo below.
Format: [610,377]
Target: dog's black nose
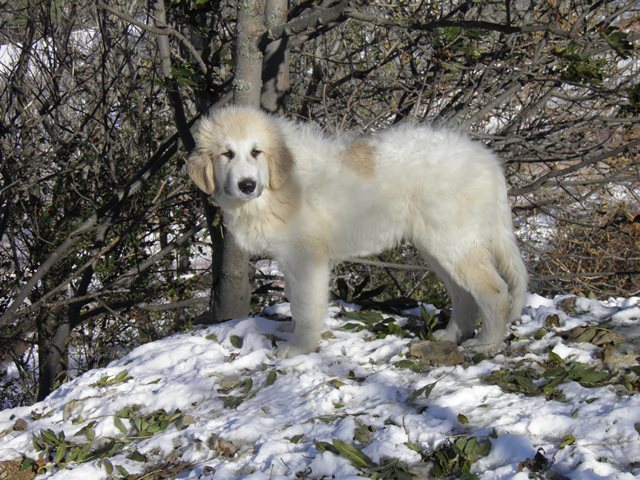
[247,186]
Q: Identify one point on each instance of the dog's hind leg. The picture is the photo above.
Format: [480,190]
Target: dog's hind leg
[476,273]
[464,313]
[464,309]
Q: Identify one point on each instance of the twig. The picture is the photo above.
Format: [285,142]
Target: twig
[395,266]
[359,15]
[163,29]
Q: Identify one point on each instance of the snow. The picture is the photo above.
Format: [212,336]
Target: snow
[287,406]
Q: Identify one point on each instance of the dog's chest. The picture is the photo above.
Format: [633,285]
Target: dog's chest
[254,233]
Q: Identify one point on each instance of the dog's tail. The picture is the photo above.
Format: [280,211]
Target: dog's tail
[510,264]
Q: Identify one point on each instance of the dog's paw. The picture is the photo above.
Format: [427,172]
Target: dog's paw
[445,336]
[288,350]
[478,345]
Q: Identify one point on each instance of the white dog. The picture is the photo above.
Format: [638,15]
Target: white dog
[294,193]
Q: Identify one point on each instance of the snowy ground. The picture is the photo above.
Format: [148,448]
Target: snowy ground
[216,403]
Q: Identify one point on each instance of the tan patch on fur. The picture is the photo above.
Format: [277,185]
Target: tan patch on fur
[476,268]
[200,169]
[280,165]
[360,157]
[285,202]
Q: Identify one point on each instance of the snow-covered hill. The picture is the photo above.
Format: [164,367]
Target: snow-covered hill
[562,401]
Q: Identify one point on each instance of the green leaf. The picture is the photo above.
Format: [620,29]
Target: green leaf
[232,401]
[363,433]
[271,378]
[552,321]
[351,453]
[463,419]
[236,341]
[426,391]
[595,335]
[588,376]
[50,437]
[555,358]
[356,327]
[108,466]
[136,456]
[619,41]
[413,446]
[296,438]
[539,335]
[27,464]
[343,289]
[325,447]
[61,450]
[107,381]
[368,317]
[360,296]
[121,376]
[514,382]
[473,448]
[122,471]
[175,415]
[336,383]
[83,452]
[248,385]
[411,365]
[567,440]
[117,421]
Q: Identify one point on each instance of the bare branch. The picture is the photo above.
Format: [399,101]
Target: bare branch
[394,266]
[163,29]
[166,151]
[319,16]
[555,175]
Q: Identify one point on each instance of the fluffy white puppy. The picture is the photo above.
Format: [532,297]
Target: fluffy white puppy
[305,198]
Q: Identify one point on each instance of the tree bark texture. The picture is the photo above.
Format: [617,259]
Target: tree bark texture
[231,289]
[275,77]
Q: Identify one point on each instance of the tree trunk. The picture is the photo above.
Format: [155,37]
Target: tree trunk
[52,346]
[231,289]
[275,76]
[247,82]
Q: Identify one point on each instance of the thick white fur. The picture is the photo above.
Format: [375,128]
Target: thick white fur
[319,198]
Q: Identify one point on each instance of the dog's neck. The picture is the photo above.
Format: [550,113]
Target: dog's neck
[261,220]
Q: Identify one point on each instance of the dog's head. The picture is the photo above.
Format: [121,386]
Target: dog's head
[239,152]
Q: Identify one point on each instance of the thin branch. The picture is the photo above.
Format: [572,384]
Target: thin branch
[162,29]
[394,266]
[97,220]
[465,24]
[181,240]
[557,174]
[319,16]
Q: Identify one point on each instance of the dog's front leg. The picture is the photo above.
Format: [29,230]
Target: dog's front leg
[307,278]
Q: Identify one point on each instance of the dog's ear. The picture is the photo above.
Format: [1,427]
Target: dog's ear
[280,165]
[200,169]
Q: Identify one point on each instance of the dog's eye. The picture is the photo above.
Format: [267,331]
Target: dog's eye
[229,154]
[255,152]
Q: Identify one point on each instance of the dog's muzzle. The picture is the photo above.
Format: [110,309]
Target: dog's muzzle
[245,189]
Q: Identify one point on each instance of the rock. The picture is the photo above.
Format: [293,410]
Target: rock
[184,421]
[221,446]
[622,356]
[20,425]
[436,353]
[10,470]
